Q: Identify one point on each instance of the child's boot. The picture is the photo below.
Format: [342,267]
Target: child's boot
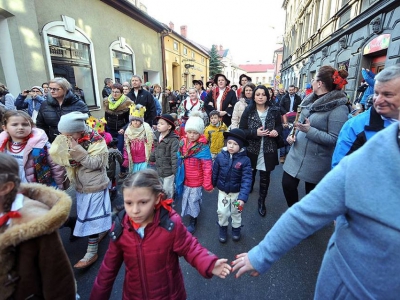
[223,234]
[236,233]
[192,225]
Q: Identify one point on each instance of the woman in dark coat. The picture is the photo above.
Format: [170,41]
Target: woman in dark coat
[262,125]
[60,101]
[222,98]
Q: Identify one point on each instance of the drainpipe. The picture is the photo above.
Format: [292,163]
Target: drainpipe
[164,33]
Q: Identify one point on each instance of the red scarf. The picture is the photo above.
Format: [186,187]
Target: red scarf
[7,216]
[216,94]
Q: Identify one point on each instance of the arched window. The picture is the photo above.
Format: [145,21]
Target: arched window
[122,61]
[70,54]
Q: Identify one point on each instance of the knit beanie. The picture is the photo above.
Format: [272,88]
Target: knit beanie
[195,122]
[237,140]
[38,88]
[73,122]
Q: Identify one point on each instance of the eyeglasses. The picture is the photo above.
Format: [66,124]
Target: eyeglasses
[116,92]
[54,89]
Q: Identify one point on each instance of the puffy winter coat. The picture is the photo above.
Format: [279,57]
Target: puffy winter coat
[238,110]
[39,144]
[215,136]
[164,154]
[151,264]
[233,173]
[51,111]
[31,104]
[198,172]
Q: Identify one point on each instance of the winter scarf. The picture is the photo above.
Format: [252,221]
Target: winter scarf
[216,94]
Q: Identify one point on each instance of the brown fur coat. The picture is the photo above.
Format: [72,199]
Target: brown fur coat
[33,261]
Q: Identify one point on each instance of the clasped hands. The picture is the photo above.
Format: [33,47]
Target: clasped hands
[241,264]
[266,132]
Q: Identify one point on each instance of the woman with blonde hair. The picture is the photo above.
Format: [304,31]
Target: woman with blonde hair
[61,100]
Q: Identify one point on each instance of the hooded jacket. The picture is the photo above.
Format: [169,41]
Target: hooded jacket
[39,144]
[51,111]
[31,251]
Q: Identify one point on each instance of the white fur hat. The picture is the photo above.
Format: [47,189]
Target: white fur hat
[195,122]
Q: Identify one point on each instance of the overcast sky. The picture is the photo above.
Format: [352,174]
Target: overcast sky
[249,28]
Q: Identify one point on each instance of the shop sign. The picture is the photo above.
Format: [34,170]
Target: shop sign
[379,43]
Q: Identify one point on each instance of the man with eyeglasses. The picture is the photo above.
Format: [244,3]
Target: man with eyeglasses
[30,104]
[385,111]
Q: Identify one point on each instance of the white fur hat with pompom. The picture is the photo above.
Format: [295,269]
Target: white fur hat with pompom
[195,122]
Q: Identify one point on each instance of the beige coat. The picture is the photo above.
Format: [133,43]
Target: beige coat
[238,110]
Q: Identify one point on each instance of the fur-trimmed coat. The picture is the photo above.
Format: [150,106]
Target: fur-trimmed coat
[33,261]
[310,157]
[119,117]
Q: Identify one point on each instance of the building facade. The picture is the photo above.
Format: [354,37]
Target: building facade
[351,34]
[185,60]
[83,41]
[260,73]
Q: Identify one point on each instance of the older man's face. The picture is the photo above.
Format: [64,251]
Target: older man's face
[387,98]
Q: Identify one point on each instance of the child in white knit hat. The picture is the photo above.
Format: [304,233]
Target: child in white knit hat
[138,140]
[83,152]
[194,168]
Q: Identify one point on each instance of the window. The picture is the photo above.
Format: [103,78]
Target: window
[193,54]
[185,51]
[176,46]
[123,66]
[70,54]
[202,59]
[122,60]
[72,60]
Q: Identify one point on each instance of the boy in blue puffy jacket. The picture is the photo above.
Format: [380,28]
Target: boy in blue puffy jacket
[232,175]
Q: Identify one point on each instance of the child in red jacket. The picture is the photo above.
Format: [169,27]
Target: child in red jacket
[194,168]
[149,237]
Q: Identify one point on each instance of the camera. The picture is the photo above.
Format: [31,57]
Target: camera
[27,91]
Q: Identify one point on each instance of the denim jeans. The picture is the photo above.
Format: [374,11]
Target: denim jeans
[285,149]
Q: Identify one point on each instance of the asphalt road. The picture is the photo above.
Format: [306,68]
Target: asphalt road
[292,277]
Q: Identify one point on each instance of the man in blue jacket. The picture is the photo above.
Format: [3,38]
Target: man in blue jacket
[358,130]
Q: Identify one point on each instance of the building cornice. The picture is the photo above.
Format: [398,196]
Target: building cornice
[135,13]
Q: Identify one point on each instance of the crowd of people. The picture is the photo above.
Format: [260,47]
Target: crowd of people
[170,147]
